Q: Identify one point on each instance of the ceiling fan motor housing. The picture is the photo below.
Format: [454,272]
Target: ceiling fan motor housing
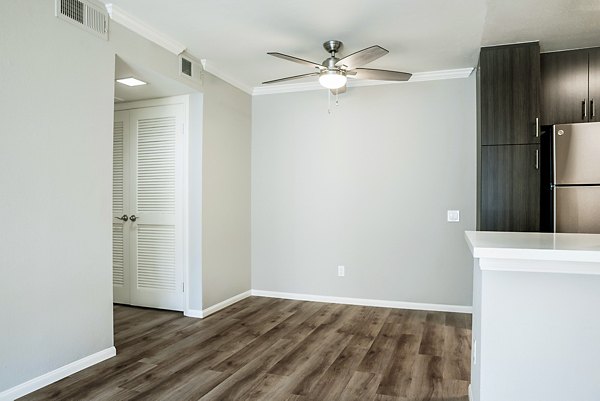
[329,63]
[333,46]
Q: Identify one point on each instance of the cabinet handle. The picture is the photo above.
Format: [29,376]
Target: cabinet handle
[537,127]
[537,159]
[584,102]
[592,108]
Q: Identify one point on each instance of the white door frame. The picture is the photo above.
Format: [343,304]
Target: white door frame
[185,101]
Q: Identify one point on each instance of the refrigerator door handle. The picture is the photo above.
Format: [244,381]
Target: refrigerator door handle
[592,108]
[537,159]
[584,104]
[537,127]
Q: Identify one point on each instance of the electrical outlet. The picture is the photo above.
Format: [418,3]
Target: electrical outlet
[341,271]
[453,216]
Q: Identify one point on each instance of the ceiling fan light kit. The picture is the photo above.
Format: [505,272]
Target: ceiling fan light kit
[332,79]
[333,72]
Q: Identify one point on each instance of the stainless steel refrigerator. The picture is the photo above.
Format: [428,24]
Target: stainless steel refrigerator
[576,154]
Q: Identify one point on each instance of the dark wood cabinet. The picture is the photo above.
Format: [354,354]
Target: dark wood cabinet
[510,188]
[565,87]
[509,94]
[508,107]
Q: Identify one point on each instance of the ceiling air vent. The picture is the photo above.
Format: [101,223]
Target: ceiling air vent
[86,14]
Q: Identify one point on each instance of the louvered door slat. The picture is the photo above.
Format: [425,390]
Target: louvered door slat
[156,140]
[118,255]
[118,167]
[120,200]
[156,257]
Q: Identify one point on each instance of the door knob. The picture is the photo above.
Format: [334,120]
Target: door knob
[123,218]
[133,217]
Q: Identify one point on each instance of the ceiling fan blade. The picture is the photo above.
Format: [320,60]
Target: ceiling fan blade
[362,57]
[295,59]
[381,75]
[312,74]
[338,91]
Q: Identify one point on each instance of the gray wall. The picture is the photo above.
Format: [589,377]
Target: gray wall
[225,191]
[56,110]
[367,187]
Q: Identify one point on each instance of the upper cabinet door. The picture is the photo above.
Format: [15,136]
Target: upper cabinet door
[565,87]
[594,84]
[509,94]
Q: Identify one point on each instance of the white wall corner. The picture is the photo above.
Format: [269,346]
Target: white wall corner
[210,68]
[224,304]
[193,313]
[117,14]
[365,302]
[57,374]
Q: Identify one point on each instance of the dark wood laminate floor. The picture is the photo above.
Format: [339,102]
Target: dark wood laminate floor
[274,349]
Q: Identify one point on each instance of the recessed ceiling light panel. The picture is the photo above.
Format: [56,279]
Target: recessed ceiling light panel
[131,81]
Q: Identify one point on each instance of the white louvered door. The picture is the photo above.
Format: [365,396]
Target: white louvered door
[153,236]
[120,231]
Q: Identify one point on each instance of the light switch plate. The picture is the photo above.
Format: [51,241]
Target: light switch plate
[341,271]
[453,216]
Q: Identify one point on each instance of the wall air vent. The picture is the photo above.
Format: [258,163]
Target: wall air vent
[189,67]
[86,14]
[186,67]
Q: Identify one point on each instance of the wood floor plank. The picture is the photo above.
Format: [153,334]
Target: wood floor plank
[426,379]
[455,390]
[324,333]
[268,349]
[380,352]
[457,353]
[414,322]
[361,386]
[432,341]
[241,381]
[269,387]
[335,379]
[397,377]
[258,346]
[315,367]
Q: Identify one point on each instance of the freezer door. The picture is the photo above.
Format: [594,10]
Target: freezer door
[577,209]
[577,154]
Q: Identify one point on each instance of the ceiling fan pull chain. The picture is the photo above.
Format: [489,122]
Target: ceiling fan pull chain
[337,97]
[329,102]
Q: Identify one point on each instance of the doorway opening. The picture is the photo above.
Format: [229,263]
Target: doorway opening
[149,227]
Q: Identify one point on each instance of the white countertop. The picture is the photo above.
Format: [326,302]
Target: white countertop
[534,246]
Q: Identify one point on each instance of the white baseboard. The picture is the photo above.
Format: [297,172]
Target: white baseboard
[224,304]
[57,374]
[470,394]
[364,302]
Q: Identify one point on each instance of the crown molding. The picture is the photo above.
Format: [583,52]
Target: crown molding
[208,67]
[117,14]
[310,86]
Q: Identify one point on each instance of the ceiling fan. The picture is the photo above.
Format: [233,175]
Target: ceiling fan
[334,72]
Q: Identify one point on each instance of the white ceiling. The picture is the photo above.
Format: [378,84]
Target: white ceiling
[157,85]
[428,35]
